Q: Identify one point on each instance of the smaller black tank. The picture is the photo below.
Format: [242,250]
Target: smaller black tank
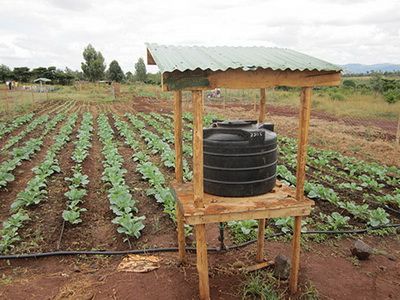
[239,158]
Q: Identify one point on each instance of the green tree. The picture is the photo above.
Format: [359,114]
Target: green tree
[376,83]
[129,76]
[5,73]
[22,74]
[140,70]
[38,72]
[115,72]
[93,68]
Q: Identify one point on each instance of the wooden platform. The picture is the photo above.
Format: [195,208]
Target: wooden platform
[280,202]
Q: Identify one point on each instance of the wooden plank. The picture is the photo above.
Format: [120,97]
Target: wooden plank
[178,136]
[249,215]
[260,240]
[202,261]
[239,79]
[261,117]
[198,189]
[304,123]
[258,266]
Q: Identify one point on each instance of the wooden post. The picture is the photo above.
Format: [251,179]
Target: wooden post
[260,240]
[198,148]
[261,222]
[261,117]
[304,122]
[202,261]
[179,170]
[198,191]
[178,136]
[33,100]
[398,131]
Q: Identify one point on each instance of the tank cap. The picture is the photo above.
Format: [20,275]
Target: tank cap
[236,123]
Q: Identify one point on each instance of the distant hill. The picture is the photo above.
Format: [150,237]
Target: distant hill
[359,68]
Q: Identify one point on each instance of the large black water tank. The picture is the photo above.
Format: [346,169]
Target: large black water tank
[239,158]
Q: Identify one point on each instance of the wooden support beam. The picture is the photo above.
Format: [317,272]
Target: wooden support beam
[202,261]
[239,79]
[260,240]
[261,222]
[179,170]
[305,112]
[304,125]
[261,117]
[198,148]
[178,136]
[181,234]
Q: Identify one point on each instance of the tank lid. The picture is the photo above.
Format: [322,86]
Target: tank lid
[236,123]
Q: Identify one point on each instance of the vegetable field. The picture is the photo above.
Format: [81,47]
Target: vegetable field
[91,176]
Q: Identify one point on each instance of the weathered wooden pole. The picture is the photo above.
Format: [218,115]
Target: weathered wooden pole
[261,222]
[198,191]
[179,170]
[304,123]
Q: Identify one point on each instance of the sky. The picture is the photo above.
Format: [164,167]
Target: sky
[55,32]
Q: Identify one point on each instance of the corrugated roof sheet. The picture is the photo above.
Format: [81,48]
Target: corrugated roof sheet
[182,58]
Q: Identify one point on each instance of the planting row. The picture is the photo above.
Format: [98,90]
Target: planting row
[36,189]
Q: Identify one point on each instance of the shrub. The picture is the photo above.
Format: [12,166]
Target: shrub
[392,96]
[337,96]
[348,83]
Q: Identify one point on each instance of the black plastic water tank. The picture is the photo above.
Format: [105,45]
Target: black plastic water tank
[239,158]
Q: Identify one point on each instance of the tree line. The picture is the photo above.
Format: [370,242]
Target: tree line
[93,69]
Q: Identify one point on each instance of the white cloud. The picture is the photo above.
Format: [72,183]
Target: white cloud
[54,32]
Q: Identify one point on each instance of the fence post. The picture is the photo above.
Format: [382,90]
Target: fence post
[398,131]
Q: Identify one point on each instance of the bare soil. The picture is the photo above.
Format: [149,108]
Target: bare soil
[328,267]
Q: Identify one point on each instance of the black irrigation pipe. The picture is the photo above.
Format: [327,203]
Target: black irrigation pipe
[189,249]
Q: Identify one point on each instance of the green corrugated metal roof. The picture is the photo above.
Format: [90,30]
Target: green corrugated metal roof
[182,58]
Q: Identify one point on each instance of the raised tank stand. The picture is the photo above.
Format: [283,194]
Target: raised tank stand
[194,207]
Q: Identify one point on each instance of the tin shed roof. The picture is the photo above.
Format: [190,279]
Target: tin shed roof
[222,58]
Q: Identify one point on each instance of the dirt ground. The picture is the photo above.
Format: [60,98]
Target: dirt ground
[329,267]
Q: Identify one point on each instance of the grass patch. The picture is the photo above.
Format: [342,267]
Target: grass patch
[262,285]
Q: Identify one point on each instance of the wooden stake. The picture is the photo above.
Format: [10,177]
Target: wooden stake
[261,117]
[198,148]
[305,111]
[202,261]
[260,240]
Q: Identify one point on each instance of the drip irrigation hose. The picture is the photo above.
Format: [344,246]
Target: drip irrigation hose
[189,249]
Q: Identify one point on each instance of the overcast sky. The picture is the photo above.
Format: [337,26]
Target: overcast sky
[55,32]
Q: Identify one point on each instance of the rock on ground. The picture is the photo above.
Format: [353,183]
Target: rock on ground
[361,250]
[282,267]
